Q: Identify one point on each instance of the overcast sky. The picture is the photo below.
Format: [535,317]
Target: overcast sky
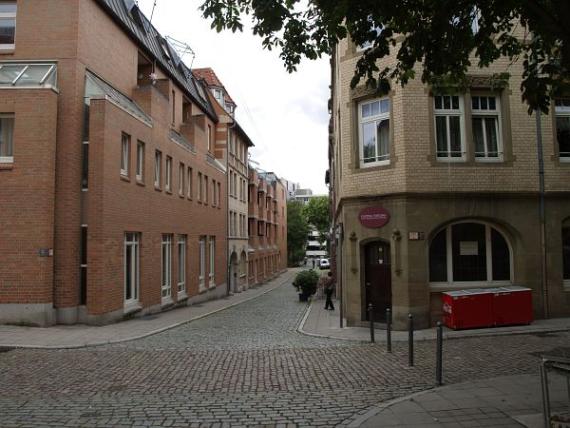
[284,114]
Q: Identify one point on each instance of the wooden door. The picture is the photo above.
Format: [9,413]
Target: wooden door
[378,279]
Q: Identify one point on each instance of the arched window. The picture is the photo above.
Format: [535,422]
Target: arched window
[471,253]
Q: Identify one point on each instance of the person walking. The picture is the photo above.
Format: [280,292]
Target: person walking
[329,289]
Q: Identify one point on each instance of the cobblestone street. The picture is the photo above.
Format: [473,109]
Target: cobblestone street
[246,365]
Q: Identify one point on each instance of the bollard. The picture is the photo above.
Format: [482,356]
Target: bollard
[371,317]
[439,356]
[388,330]
[410,340]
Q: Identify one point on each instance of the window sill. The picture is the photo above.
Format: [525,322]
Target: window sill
[141,183]
[168,192]
[125,178]
[489,160]
[5,166]
[157,188]
[565,160]
[9,49]
[131,308]
[166,302]
[202,289]
[181,196]
[210,286]
[181,296]
[451,160]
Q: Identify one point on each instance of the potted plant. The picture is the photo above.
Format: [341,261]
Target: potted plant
[306,281]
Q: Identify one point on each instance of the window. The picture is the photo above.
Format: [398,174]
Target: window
[200,190]
[140,161]
[181,170]
[209,138]
[473,253]
[212,282]
[219,195]
[6,138]
[168,176]
[166,289]
[214,196]
[374,132]
[181,263]
[206,190]
[157,169]
[566,253]
[202,274]
[125,154]
[486,121]
[173,108]
[450,144]
[190,184]
[132,267]
[7,24]
[217,95]
[562,109]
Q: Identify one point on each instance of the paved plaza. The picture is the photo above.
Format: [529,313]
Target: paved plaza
[244,366]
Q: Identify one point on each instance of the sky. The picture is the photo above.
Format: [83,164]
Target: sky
[285,115]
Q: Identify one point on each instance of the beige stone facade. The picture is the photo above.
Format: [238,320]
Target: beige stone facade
[462,215]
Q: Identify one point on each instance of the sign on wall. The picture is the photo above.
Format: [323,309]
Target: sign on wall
[374,217]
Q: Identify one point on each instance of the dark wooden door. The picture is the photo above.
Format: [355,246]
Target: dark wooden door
[378,278]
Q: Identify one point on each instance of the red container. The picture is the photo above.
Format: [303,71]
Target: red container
[512,305]
[468,308]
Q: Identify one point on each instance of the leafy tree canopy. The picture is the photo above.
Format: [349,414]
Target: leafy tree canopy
[438,34]
[297,230]
[317,213]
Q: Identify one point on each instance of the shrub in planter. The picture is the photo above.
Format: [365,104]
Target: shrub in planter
[306,281]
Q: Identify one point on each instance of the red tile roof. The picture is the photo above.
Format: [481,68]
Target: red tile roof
[209,76]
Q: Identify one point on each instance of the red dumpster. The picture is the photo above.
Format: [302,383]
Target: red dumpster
[468,308]
[512,305]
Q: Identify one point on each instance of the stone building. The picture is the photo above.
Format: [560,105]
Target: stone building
[232,144]
[437,191]
[113,196]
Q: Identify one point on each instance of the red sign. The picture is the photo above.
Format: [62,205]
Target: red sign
[374,217]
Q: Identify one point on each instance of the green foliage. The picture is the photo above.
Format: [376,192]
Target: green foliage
[317,212]
[307,281]
[297,230]
[435,34]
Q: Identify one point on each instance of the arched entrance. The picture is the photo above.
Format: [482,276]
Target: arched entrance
[377,278]
[234,272]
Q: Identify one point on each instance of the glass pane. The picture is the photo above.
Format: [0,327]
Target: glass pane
[9,72]
[469,252]
[384,106]
[492,103]
[33,75]
[455,136]
[384,139]
[128,272]
[375,108]
[491,129]
[563,135]
[8,7]
[6,137]
[478,137]
[137,269]
[446,102]
[566,251]
[441,135]
[501,257]
[483,103]
[455,102]
[7,31]
[369,142]
[475,103]
[438,258]
[438,102]
[365,111]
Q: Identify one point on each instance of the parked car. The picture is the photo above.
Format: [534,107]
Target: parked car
[324,264]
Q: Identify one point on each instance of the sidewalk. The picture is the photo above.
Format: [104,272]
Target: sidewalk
[510,401]
[322,323]
[77,336]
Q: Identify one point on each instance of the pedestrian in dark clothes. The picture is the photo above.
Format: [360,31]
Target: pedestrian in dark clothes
[329,289]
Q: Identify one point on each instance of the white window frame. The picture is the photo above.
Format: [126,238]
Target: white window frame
[190,182]
[6,17]
[9,159]
[374,119]
[181,178]
[166,268]
[452,285]
[168,174]
[561,111]
[125,154]
[212,273]
[202,264]
[157,168]
[140,161]
[483,114]
[181,245]
[132,239]
[443,112]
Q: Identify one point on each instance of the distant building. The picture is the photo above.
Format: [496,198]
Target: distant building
[305,195]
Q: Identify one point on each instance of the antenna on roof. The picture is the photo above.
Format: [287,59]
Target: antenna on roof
[152,13]
[182,49]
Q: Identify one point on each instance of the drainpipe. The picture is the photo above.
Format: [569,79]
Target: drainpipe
[542,216]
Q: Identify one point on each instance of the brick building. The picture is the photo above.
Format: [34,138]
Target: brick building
[434,192]
[267,226]
[232,144]
[113,191]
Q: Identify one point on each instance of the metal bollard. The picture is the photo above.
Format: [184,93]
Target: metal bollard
[371,317]
[410,340]
[389,330]
[439,356]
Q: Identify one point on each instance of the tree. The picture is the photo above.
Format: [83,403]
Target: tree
[440,35]
[297,230]
[317,212]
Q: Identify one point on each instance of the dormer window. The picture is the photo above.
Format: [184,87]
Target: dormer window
[218,95]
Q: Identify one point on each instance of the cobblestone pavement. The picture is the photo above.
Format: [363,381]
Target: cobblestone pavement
[245,366]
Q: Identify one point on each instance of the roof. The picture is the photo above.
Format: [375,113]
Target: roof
[128,15]
[209,76]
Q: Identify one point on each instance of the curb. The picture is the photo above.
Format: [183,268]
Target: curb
[141,336]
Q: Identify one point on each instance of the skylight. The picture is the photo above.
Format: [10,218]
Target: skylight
[28,74]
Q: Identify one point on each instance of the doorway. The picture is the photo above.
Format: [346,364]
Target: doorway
[377,279]
[234,273]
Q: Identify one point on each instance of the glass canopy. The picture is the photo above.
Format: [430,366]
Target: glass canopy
[28,74]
